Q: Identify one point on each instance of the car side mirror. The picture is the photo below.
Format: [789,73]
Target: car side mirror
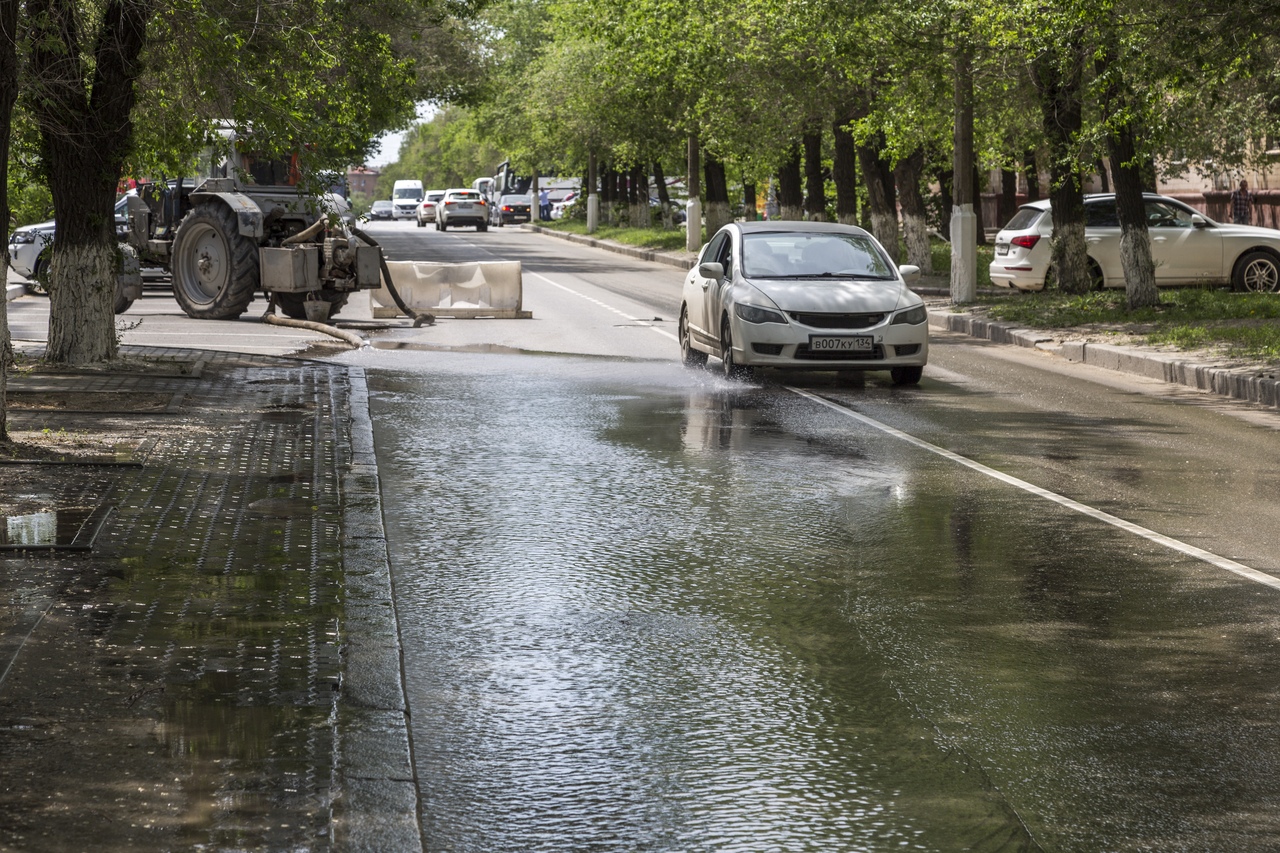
[1198,221]
[910,273]
[711,269]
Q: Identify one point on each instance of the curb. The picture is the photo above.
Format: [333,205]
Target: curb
[1250,384]
[670,259]
[13,291]
[377,805]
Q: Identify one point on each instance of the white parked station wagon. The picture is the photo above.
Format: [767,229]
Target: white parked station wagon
[802,296]
[1187,247]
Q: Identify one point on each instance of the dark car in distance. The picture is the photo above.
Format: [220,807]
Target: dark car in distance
[513,209]
[382,209]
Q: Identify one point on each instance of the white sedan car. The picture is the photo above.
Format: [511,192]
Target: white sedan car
[802,296]
[1187,247]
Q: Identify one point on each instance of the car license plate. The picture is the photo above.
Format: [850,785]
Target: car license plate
[861,343]
[1002,248]
[464,205]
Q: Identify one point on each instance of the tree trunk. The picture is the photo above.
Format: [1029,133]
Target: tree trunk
[1032,171]
[641,215]
[844,173]
[790,190]
[880,198]
[946,180]
[978,206]
[8,96]
[83,141]
[749,196]
[915,222]
[717,213]
[664,197]
[1126,170]
[815,185]
[1008,196]
[1059,85]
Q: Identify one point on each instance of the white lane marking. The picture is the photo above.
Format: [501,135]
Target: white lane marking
[636,320]
[1105,517]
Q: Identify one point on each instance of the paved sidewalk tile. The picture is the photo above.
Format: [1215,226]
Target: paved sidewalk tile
[179,686]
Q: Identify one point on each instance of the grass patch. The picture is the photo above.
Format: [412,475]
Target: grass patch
[646,238]
[941,253]
[1237,324]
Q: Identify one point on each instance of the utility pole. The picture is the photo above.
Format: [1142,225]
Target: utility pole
[593,200]
[693,222]
[964,222]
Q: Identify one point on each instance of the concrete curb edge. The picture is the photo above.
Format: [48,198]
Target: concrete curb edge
[376,804]
[1238,383]
[651,255]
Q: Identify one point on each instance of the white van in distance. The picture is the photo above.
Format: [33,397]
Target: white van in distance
[405,198]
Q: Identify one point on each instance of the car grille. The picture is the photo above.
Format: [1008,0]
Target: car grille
[804,353]
[838,321]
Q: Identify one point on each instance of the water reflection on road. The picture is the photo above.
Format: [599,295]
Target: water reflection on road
[644,609]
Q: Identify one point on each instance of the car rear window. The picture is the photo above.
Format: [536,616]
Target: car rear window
[467,196]
[1024,219]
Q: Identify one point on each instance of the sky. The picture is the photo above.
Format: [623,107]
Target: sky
[389,151]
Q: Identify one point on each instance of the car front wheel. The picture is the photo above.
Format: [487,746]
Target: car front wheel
[906,375]
[1257,272]
[689,356]
[732,370]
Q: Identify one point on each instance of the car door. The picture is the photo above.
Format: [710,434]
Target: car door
[714,289]
[1102,237]
[696,301]
[1183,253]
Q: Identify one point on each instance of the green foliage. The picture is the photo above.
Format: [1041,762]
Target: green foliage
[448,151]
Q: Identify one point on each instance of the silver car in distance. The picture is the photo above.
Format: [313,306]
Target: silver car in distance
[802,296]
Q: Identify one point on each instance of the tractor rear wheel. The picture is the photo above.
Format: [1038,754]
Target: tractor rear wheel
[215,267]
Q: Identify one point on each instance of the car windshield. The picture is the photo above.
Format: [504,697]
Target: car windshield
[798,254]
[407,193]
[515,199]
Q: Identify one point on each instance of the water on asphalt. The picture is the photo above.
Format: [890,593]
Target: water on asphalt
[646,609]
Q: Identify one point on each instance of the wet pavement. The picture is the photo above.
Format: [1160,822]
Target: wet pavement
[173,678]
[687,614]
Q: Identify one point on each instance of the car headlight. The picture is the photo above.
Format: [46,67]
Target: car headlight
[913,316]
[23,237]
[754,314]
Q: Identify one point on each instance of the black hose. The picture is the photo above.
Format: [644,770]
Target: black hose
[419,318]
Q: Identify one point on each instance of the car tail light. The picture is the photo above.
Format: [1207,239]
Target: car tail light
[1026,241]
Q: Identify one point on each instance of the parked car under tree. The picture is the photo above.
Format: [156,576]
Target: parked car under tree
[1187,247]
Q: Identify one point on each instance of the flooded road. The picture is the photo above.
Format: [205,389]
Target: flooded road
[646,609]
[1024,606]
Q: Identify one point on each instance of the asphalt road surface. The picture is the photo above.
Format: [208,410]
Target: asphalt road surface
[1024,605]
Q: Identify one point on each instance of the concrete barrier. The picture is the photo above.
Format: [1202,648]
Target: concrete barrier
[484,289]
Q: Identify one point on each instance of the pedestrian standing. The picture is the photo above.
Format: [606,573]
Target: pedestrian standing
[1242,204]
[544,205]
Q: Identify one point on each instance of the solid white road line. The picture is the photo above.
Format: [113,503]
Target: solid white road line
[636,320]
[1084,509]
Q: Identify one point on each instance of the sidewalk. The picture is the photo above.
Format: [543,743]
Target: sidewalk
[197,643]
